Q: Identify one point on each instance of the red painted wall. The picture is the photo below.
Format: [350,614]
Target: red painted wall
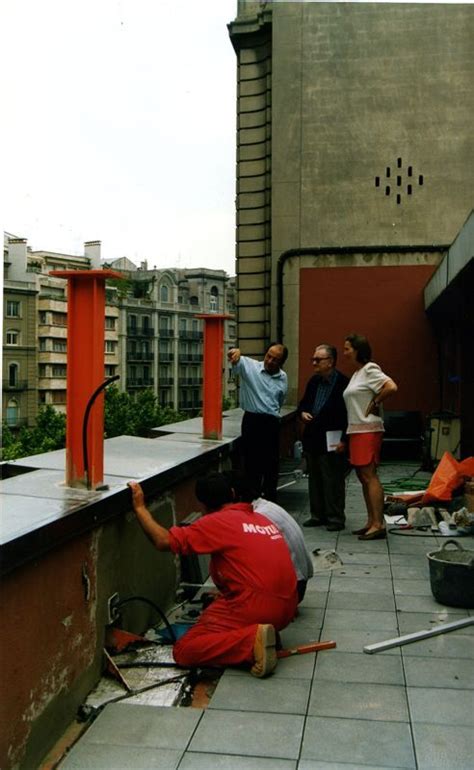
[386,305]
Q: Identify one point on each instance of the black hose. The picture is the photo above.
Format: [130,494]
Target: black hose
[155,607]
[85,423]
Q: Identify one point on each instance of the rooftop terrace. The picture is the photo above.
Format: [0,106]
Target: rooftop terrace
[341,709]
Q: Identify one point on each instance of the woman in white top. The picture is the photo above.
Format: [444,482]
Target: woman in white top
[367,388]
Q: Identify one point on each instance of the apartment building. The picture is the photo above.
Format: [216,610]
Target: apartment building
[35,329]
[160,338]
[152,336]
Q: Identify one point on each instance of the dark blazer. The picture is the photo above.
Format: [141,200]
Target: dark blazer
[333,415]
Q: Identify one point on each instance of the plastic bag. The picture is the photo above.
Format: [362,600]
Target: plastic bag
[446,478]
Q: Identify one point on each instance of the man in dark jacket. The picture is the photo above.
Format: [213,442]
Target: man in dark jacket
[323,413]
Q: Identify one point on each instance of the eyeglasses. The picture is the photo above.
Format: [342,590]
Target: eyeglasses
[318,359]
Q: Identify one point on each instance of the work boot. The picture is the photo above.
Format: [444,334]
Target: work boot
[264,651]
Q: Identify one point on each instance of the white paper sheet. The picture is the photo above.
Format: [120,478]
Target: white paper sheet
[333,438]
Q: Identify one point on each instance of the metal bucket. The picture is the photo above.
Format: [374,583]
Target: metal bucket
[452,575]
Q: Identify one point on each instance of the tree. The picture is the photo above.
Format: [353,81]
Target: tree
[129,416]
[49,433]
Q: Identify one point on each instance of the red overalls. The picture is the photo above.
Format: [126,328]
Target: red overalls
[252,568]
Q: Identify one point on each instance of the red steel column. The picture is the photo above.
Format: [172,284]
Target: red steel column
[85,372]
[212,374]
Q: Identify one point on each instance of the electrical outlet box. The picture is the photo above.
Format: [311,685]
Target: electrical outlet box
[112,608]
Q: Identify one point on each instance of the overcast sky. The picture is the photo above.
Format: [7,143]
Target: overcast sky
[119,126]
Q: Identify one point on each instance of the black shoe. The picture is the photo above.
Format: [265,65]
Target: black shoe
[335,527]
[312,522]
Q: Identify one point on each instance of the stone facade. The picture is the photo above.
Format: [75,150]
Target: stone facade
[368,144]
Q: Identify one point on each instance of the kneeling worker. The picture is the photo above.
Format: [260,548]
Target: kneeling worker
[250,565]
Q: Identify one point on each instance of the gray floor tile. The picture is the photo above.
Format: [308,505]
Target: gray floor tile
[357,741]
[409,622]
[359,701]
[252,734]
[362,620]
[410,560]
[315,599]
[359,667]
[153,726]
[294,667]
[451,645]
[194,761]
[402,545]
[273,695]
[311,764]
[425,604]
[412,587]
[438,672]
[342,600]
[300,633]
[349,557]
[307,614]
[362,585]
[364,571]
[441,707]
[444,747]
[88,756]
[404,572]
[355,641]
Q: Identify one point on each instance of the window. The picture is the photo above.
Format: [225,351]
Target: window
[59,370]
[109,322]
[43,317]
[110,346]
[60,346]
[42,344]
[59,319]
[214,300]
[13,375]
[12,337]
[145,323]
[59,397]
[164,293]
[133,322]
[42,397]
[13,412]
[182,324]
[110,370]
[193,300]
[43,370]
[13,309]
[164,322]
[195,325]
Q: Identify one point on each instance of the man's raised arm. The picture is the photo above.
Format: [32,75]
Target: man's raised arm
[158,535]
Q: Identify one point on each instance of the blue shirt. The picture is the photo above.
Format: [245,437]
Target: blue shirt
[260,392]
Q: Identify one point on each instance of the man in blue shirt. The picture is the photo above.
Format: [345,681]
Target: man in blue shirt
[263,389]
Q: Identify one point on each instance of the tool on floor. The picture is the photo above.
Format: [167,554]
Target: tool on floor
[418,635]
[302,649]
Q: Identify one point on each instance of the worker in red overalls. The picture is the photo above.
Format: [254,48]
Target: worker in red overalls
[250,565]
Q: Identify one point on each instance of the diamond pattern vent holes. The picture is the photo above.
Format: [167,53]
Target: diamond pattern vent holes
[403,182]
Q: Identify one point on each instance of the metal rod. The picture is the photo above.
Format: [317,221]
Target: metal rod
[415,637]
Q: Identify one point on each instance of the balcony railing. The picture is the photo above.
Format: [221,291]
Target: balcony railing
[140,356]
[17,385]
[140,331]
[190,335]
[16,422]
[165,332]
[140,382]
[165,382]
[186,404]
[190,381]
[192,357]
[165,358]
